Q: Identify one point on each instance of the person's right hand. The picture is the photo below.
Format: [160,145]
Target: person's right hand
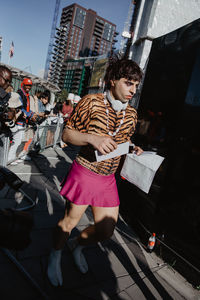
[11,114]
[103,144]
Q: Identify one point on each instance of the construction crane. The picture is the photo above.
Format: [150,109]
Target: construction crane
[0,47]
[126,34]
[53,30]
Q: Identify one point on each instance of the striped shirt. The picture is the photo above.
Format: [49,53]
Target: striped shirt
[90,117]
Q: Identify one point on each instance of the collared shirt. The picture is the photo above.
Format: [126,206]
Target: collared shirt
[41,106]
[90,117]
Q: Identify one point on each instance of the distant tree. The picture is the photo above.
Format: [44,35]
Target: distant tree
[62,96]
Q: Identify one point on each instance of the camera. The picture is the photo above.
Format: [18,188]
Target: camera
[4,97]
[46,112]
[38,121]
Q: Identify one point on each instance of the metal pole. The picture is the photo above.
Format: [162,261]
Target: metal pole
[24,272]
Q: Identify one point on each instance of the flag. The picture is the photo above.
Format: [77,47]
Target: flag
[11,51]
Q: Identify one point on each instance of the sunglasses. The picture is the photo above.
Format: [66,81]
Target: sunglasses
[6,80]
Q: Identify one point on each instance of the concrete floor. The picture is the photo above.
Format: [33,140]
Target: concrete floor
[119,268]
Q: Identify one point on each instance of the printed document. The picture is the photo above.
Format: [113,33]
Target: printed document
[121,149]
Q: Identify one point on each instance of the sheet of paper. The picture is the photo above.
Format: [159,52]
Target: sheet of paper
[140,170]
[148,159]
[121,149]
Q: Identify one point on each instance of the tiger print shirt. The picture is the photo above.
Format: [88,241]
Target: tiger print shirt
[90,117]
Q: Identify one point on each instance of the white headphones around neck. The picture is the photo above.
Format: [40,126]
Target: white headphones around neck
[117,105]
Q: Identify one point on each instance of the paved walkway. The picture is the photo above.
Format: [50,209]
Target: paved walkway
[119,269]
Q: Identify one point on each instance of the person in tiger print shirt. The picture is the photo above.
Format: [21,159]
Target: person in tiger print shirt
[99,122]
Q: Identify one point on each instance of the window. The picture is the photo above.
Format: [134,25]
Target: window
[108,32]
[79,19]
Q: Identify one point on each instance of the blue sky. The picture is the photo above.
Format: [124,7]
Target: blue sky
[28,24]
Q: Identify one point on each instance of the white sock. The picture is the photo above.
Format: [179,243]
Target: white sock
[78,255]
[54,268]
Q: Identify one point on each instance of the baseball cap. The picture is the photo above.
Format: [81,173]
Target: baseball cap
[14,101]
[27,81]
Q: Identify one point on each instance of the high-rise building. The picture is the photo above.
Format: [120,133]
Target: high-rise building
[81,33]
[77,74]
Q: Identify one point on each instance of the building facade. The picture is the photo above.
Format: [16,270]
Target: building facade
[75,76]
[155,18]
[82,33]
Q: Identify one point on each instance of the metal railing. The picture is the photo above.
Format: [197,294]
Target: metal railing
[33,138]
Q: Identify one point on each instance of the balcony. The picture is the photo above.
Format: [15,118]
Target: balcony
[59,53]
[97,33]
[98,27]
[100,23]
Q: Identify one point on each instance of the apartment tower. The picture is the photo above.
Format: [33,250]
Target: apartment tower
[82,33]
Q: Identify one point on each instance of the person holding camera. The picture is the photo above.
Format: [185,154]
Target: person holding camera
[10,109]
[7,103]
[7,111]
[5,78]
[5,81]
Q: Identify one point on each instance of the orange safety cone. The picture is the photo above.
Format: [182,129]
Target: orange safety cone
[151,242]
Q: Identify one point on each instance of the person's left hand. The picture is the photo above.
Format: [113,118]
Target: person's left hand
[34,117]
[18,114]
[137,150]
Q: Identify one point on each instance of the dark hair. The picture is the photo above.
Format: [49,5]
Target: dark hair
[47,94]
[5,69]
[43,95]
[68,102]
[57,108]
[122,68]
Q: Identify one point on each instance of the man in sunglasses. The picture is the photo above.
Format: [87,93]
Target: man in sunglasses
[8,104]
[5,77]
[5,80]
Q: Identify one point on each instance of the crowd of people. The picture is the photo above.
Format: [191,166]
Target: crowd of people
[25,111]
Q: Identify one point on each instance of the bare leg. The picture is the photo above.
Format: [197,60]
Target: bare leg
[61,234]
[65,226]
[105,219]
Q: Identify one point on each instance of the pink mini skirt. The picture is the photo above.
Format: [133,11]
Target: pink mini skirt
[84,187]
